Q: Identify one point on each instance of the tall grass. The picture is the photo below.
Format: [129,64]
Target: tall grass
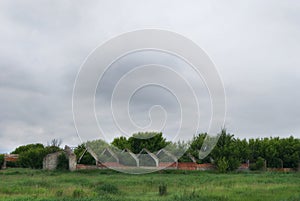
[26,184]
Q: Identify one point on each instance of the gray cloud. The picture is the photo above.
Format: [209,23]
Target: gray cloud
[254,44]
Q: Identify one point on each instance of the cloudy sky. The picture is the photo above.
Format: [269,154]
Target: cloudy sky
[254,45]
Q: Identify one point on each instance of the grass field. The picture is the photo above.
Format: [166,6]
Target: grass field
[26,184]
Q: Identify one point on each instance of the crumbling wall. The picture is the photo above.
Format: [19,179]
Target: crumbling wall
[72,158]
[51,160]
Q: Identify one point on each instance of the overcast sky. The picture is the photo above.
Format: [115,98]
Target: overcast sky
[254,44]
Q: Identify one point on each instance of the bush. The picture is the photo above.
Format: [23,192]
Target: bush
[233,164]
[59,193]
[252,166]
[260,163]
[78,193]
[1,160]
[275,163]
[62,162]
[222,165]
[33,158]
[25,148]
[162,189]
[11,164]
[87,158]
[109,188]
[32,155]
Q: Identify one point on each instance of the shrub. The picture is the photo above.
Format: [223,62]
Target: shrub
[32,158]
[252,166]
[109,188]
[59,193]
[62,162]
[78,193]
[275,163]
[162,189]
[87,158]
[1,160]
[32,155]
[260,163]
[11,164]
[25,148]
[222,165]
[233,164]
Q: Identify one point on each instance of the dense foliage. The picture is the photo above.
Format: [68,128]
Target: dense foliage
[227,155]
[230,152]
[62,162]
[149,140]
[83,156]
[32,155]
[1,160]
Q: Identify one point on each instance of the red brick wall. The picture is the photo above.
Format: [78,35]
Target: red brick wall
[11,157]
[180,166]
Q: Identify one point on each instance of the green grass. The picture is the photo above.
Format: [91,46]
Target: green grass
[26,184]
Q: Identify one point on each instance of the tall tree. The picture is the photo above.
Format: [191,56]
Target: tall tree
[121,143]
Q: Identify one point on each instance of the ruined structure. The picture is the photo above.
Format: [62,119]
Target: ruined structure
[9,158]
[51,160]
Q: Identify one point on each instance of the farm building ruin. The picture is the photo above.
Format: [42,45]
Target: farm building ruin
[50,162]
[9,158]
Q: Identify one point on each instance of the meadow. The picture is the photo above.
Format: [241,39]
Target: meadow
[27,184]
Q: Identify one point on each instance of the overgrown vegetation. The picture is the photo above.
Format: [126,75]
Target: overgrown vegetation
[62,162]
[162,189]
[33,185]
[83,155]
[1,160]
[258,165]
[227,155]
[107,188]
[222,165]
[149,140]
[78,193]
[230,152]
[32,155]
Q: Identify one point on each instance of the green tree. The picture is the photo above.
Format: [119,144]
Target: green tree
[195,147]
[62,162]
[227,150]
[121,143]
[32,155]
[150,140]
[222,164]
[32,158]
[1,160]
[24,148]
[87,158]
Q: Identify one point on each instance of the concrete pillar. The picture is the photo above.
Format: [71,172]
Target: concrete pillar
[72,162]
[4,164]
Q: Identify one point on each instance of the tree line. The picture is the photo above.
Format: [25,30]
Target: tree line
[227,155]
